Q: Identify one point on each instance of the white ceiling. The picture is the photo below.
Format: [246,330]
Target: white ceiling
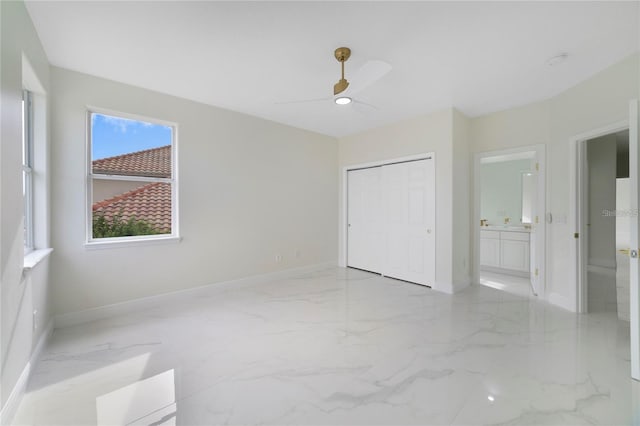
[479,57]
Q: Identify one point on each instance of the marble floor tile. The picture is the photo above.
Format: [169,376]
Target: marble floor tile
[520,286]
[338,347]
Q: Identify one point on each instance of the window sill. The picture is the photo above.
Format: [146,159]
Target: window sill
[126,242]
[34,257]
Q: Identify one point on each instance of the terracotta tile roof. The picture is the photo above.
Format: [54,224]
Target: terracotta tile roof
[155,162]
[150,202]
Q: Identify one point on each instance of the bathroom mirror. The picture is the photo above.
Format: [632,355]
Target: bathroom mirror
[501,197]
[528,192]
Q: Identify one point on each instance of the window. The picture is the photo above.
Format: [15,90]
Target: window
[27,169]
[132,179]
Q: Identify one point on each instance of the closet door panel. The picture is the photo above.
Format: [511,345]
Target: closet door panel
[409,212]
[365,228]
[391,220]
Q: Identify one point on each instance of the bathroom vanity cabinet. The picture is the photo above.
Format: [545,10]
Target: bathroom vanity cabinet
[505,250]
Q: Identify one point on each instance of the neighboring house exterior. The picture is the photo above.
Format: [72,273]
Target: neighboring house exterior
[150,202]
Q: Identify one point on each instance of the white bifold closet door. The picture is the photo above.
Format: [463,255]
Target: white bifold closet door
[365,224]
[409,209]
[391,213]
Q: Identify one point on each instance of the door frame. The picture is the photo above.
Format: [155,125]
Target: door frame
[541,195]
[577,209]
[344,243]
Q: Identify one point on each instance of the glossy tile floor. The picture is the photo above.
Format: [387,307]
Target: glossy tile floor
[519,286]
[338,347]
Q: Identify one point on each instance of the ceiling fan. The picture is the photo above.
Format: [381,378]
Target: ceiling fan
[343,90]
[342,54]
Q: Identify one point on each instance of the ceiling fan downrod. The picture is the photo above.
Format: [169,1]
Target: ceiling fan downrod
[342,54]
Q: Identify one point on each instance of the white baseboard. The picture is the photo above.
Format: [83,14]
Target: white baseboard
[562,302]
[504,271]
[461,284]
[43,340]
[603,263]
[13,402]
[603,270]
[131,306]
[452,288]
[443,287]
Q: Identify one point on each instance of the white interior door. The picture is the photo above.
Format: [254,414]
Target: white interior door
[409,208]
[365,227]
[532,191]
[634,308]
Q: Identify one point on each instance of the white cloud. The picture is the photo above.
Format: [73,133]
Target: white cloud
[119,123]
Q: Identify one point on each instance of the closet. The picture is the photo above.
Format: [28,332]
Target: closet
[391,220]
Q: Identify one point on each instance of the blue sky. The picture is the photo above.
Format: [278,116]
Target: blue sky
[115,136]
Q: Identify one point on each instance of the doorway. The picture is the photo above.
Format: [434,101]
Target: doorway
[509,220]
[580,219]
[605,223]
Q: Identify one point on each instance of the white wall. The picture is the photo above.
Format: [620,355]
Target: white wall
[249,189]
[596,102]
[19,295]
[431,133]
[501,191]
[462,213]
[601,154]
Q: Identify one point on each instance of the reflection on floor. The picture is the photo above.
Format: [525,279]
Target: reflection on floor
[511,284]
[338,347]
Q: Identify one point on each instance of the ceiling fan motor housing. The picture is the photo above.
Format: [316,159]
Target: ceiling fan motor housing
[342,54]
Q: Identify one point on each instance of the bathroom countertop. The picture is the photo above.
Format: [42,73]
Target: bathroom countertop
[507,228]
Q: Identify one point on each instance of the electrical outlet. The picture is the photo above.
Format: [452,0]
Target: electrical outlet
[278,258]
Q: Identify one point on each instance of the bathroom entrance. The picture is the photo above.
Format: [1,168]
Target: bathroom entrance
[510,221]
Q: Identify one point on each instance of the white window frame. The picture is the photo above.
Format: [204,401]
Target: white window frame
[27,169]
[174,236]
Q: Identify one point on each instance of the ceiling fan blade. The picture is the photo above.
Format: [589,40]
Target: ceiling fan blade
[368,105]
[368,74]
[363,109]
[360,109]
[301,101]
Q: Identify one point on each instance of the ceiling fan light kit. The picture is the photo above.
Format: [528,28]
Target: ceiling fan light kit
[343,100]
